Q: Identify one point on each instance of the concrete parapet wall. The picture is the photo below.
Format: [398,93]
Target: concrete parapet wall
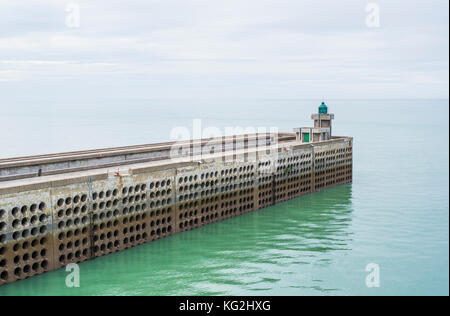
[27,167]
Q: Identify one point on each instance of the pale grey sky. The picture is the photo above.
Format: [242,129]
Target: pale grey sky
[227,48]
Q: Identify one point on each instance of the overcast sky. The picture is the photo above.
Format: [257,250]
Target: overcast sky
[228,48]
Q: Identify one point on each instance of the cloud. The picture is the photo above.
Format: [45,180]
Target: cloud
[284,42]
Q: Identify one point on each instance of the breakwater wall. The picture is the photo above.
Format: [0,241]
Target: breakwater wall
[51,220]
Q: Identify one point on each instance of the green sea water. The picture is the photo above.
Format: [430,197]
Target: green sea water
[395,213]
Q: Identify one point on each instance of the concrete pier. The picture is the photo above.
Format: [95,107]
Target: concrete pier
[79,206]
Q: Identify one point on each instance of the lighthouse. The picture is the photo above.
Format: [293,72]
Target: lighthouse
[322,127]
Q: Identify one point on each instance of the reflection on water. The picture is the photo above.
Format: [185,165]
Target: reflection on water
[272,251]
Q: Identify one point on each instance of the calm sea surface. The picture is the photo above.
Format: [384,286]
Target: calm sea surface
[395,213]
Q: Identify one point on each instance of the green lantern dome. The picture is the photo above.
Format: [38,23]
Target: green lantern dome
[323,109]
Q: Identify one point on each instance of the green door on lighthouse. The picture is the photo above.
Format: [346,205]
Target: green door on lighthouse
[306,137]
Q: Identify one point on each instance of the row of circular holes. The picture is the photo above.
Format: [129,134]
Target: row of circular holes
[160,231]
[228,195]
[68,201]
[26,257]
[194,195]
[157,184]
[196,203]
[284,174]
[265,186]
[247,199]
[213,191]
[211,209]
[194,221]
[201,185]
[325,153]
[246,183]
[127,240]
[25,221]
[77,221]
[289,166]
[163,221]
[305,189]
[195,177]
[265,201]
[26,269]
[75,211]
[264,179]
[16,211]
[264,163]
[25,245]
[246,191]
[108,236]
[284,181]
[162,193]
[229,203]
[214,174]
[70,256]
[25,233]
[71,233]
[110,193]
[214,182]
[71,244]
[103,247]
[228,212]
[131,209]
[246,207]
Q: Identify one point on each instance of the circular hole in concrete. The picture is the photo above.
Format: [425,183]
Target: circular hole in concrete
[24,209]
[44,264]
[15,211]
[4,275]
[44,240]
